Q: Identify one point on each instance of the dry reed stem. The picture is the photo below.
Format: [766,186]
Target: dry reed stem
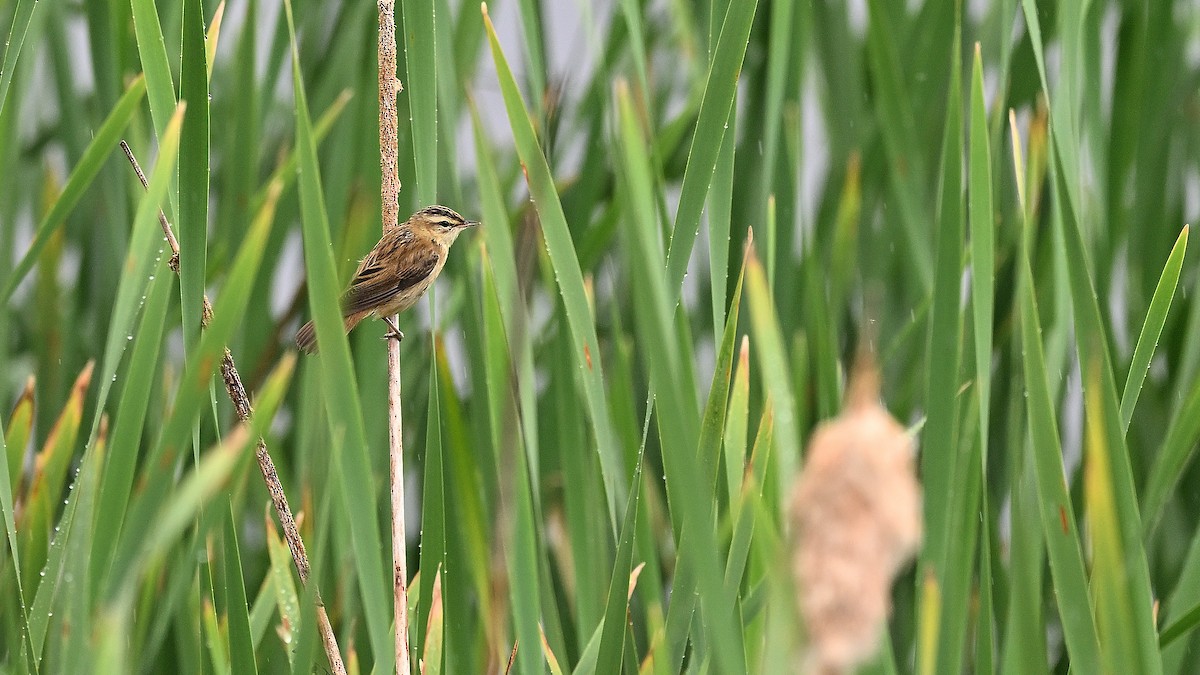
[389,191]
[241,406]
[855,512]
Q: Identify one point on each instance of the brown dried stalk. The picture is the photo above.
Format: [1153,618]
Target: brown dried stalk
[241,406]
[855,512]
[389,191]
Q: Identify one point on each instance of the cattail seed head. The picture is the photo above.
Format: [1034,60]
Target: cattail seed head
[855,514]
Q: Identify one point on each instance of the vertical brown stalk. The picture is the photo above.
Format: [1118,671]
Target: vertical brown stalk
[389,190]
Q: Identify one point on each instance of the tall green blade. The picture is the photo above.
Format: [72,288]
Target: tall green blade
[1057,514]
[568,274]
[193,172]
[420,58]
[719,91]
[341,395]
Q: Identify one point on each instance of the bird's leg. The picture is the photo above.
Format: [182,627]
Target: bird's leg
[393,333]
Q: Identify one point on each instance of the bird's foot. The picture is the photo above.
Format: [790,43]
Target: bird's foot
[393,332]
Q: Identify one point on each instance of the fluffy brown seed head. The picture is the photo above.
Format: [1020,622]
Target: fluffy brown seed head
[855,513]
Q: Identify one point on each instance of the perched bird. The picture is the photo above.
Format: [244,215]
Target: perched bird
[398,271]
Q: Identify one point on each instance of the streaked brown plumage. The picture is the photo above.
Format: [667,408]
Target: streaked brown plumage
[398,271]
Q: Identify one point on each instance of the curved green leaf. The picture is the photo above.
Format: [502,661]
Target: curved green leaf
[94,157]
[1156,318]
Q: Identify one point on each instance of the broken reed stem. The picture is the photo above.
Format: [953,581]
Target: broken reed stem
[389,191]
[241,406]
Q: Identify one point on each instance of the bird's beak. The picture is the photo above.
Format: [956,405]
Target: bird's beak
[472,223]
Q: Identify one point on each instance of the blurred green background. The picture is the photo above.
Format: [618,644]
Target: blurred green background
[593,388]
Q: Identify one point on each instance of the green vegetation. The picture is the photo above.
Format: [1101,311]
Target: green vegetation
[607,398]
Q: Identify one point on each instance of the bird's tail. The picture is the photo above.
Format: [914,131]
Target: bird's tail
[306,337]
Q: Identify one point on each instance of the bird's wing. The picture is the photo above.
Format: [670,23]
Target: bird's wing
[377,282]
